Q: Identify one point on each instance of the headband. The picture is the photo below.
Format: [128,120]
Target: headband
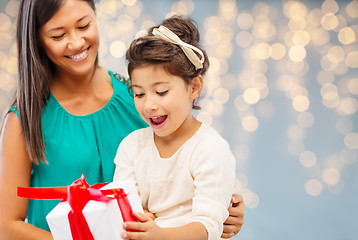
[167,35]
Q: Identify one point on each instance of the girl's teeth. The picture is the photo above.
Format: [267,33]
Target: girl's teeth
[158,120]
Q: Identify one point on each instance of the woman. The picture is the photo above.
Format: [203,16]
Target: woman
[68,117]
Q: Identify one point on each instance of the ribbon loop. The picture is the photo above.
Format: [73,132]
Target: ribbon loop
[77,196]
[165,34]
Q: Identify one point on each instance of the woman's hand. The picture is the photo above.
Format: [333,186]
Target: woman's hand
[234,222]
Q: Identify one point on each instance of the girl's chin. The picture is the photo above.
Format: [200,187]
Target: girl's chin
[160,133]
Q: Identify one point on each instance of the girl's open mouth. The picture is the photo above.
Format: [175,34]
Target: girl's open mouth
[158,121]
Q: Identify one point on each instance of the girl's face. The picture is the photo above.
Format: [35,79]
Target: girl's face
[70,38]
[164,101]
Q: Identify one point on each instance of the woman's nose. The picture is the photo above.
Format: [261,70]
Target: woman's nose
[76,42]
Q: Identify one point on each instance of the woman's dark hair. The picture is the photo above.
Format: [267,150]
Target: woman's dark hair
[35,71]
[153,50]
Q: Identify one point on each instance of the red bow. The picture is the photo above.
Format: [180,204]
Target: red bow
[77,195]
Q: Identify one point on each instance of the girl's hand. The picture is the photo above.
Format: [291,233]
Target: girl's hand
[234,222]
[145,229]
[150,214]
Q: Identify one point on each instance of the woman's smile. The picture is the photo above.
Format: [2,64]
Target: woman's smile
[79,57]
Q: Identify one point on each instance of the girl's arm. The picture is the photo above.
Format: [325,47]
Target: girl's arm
[15,170]
[233,223]
[147,229]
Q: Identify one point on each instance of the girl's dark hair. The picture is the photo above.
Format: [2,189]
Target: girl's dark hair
[35,71]
[152,50]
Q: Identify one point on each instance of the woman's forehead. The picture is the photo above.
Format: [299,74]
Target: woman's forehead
[70,12]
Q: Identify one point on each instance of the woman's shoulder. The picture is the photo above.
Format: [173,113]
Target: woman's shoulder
[121,86]
[13,109]
[119,78]
[11,124]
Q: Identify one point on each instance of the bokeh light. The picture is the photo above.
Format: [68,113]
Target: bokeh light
[331,176]
[308,159]
[313,187]
[282,87]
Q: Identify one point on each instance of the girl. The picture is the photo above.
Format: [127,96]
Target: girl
[183,169]
[69,115]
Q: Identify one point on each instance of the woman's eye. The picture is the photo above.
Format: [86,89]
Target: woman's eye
[58,37]
[85,26]
[162,93]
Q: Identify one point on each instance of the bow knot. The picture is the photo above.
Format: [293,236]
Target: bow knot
[165,34]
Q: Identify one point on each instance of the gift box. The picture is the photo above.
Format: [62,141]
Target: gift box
[89,212]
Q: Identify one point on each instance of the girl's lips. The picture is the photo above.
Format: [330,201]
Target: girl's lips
[158,121]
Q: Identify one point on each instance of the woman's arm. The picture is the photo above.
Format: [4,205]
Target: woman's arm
[15,170]
[235,220]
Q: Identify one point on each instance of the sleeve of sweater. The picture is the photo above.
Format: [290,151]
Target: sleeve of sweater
[124,159]
[213,170]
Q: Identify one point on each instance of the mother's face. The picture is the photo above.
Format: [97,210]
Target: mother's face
[70,38]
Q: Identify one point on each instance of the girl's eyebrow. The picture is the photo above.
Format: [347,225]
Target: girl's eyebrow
[154,84]
[133,85]
[59,28]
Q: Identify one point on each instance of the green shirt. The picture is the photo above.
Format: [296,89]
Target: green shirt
[81,144]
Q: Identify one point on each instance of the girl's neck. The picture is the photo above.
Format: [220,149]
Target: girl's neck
[169,145]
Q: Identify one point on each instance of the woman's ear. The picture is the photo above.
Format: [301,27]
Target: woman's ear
[195,87]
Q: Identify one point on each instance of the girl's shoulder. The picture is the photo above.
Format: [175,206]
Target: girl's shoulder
[207,133]
[208,140]
[138,139]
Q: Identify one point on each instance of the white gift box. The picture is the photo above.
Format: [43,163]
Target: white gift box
[103,218]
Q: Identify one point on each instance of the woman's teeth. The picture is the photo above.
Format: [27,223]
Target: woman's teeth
[79,56]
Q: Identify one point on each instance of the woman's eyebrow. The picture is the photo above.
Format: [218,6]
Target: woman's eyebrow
[59,28]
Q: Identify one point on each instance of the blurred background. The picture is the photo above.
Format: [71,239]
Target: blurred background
[282,89]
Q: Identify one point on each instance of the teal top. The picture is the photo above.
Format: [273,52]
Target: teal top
[81,144]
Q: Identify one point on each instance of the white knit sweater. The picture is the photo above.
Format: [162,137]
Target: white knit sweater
[194,185]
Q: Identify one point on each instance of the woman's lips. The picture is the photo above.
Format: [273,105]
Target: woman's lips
[81,56]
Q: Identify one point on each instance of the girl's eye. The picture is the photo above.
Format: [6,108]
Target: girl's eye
[84,27]
[162,93]
[58,37]
[138,95]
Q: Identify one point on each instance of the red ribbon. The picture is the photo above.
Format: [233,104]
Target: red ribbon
[77,195]
[123,203]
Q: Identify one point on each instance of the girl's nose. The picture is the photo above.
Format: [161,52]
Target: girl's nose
[150,104]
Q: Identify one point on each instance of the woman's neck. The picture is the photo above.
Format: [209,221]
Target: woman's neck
[83,95]
[67,84]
